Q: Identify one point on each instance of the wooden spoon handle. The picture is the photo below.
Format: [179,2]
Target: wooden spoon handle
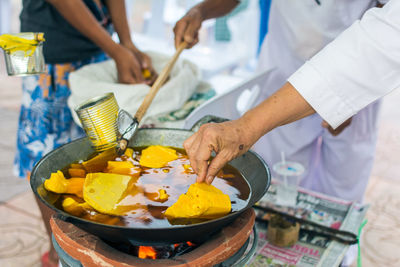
[158,83]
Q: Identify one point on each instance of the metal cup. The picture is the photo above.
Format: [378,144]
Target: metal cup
[18,64]
[99,120]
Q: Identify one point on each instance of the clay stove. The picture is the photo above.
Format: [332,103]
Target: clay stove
[223,248]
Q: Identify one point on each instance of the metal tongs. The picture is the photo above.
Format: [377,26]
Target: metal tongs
[124,118]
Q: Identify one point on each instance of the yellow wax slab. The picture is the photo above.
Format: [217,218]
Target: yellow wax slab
[75,208]
[100,161]
[123,167]
[57,183]
[119,164]
[157,156]
[202,201]
[103,191]
[129,152]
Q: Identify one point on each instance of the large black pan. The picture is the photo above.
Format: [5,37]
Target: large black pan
[252,167]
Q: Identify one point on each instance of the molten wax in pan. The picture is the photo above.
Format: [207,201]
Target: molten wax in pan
[157,189]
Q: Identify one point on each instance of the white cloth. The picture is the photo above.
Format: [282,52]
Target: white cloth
[359,67]
[339,166]
[97,79]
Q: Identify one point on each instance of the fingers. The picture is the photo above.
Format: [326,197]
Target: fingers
[187,28]
[215,166]
[146,62]
[179,30]
[187,145]
[199,148]
[153,73]
[137,73]
[124,76]
[223,139]
[339,129]
[324,124]
[136,67]
[129,67]
[146,65]
[191,33]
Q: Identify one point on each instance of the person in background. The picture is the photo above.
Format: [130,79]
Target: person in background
[77,33]
[338,161]
[367,67]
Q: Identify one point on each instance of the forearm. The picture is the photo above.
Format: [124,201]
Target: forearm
[233,138]
[283,107]
[118,16]
[80,17]
[216,8]
[360,66]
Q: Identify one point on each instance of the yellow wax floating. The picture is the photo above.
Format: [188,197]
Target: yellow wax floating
[100,161]
[119,164]
[123,167]
[163,196]
[103,191]
[58,184]
[75,208]
[202,201]
[129,153]
[12,43]
[157,156]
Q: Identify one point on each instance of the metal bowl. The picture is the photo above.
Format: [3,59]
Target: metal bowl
[251,166]
[20,65]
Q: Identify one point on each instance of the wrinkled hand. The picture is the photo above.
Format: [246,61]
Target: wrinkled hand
[228,140]
[187,28]
[338,130]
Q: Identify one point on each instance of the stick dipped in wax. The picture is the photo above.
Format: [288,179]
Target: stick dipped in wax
[123,141]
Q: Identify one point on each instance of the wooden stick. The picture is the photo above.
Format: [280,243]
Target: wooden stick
[158,83]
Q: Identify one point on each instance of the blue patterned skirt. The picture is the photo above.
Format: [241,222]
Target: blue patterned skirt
[45,121]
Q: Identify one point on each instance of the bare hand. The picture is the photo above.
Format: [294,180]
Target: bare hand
[338,130]
[187,28]
[145,63]
[228,140]
[130,65]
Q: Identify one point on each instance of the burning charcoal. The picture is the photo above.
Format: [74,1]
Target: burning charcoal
[156,252]
[164,252]
[146,252]
[183,248]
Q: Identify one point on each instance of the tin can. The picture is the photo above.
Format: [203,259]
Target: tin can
[99,120]
[19,64]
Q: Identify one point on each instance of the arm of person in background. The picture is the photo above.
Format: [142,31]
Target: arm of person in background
[339,129]
[80,17]
[187,28]
[357,68]
[344,125]
[118,16]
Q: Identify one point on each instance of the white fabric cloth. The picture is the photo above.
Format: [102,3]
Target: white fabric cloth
[339,166]
[359,67]
[97,79]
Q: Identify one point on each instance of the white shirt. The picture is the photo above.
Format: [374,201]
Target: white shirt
[360,66]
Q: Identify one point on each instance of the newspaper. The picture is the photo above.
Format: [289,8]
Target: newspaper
[311,249]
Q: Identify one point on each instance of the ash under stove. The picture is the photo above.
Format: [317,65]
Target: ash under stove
[234,245]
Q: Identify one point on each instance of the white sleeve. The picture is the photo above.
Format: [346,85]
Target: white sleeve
[357,68]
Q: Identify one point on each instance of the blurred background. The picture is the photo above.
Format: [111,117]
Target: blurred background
[227,55]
